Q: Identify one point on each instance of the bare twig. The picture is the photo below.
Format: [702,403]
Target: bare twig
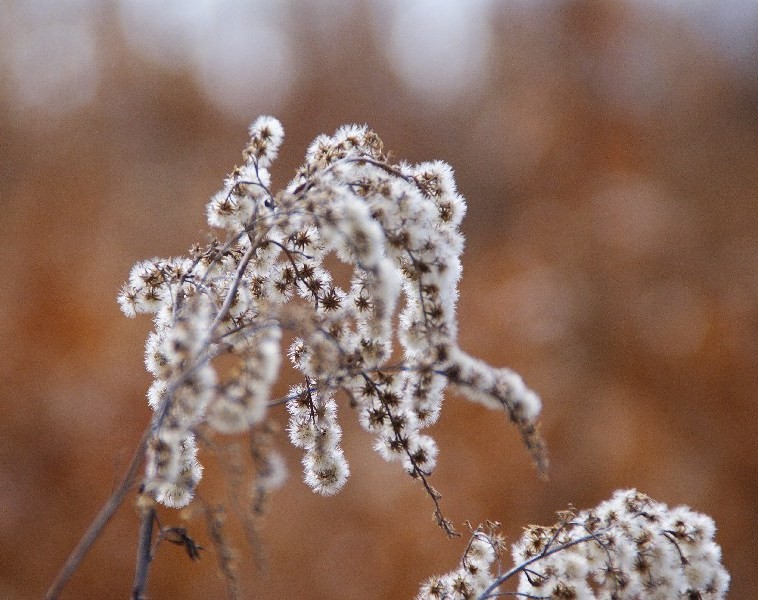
[490,591]
[144,553]
[98,524]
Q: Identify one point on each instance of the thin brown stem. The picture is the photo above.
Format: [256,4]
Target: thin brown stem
[144,552]
[224,310]
[98,524]
[445,524]
[384,166]
[490,592]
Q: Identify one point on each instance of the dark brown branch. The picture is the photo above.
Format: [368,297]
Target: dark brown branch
[98,524]
[445,524]
[144,553]
[490,592]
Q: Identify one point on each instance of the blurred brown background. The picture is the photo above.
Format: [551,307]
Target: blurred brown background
[608,152]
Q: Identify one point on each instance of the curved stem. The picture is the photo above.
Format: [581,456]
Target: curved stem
[500,580]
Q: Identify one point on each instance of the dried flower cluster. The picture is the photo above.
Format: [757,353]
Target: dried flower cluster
[474,574]
[627,548]
[354,268]
[394,229]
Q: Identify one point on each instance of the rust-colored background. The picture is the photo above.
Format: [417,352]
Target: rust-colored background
[609,154]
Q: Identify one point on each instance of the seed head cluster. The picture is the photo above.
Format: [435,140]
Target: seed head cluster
[383,341]
[350,273]
[627,548]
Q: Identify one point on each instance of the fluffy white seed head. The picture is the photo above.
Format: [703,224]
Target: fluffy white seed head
[266,136]
[391,231]
[627,546]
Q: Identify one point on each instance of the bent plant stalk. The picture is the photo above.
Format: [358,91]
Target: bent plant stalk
[386,342]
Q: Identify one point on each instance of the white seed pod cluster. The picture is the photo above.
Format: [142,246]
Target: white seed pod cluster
[474,574]
[386,339]
[627,548]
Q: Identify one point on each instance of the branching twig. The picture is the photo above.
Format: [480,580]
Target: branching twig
[488,593]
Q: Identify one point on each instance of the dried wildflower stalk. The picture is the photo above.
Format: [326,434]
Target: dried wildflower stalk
[395,227]
[627,548]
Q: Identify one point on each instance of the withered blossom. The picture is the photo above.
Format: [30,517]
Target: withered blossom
[396,227]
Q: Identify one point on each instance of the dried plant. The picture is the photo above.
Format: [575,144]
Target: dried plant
[627,548]
[384,342]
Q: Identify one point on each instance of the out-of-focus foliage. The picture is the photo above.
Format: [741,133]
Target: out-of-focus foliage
[608,154]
